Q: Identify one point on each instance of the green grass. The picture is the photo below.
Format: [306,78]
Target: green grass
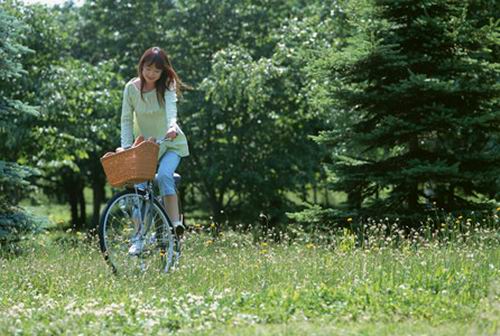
[60,284]
[58,214]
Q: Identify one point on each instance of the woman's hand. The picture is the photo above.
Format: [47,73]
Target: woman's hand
[171,133]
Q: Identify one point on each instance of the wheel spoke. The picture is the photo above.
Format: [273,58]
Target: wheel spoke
[118,227]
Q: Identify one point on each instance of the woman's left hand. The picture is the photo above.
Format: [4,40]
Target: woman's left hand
[171,133]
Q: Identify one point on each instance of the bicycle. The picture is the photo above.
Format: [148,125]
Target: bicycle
[139,213]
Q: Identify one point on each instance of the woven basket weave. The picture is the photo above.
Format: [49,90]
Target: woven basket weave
[133,165]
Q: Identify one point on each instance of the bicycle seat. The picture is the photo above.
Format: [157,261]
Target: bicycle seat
[177,179]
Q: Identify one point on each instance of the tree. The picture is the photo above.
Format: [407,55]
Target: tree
[418,92]
[79,106]
[48,36]
[121,31]
[79,122]
[14,183]
[257,137]
[197,30]
[204,35]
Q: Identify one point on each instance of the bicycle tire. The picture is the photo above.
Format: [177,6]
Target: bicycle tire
[114,246]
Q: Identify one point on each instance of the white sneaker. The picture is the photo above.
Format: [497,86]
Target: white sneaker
[137,246]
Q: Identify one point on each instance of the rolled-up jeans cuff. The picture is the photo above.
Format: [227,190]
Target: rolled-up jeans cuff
[165,177]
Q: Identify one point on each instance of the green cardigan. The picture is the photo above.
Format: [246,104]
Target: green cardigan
[146,117]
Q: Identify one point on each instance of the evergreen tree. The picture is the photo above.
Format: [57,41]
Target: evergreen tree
[419,95]
[13,114]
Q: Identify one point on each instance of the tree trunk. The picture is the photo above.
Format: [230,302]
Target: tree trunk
[413,185]
[450,199]
[215,206]
[74,190]
[304,193]
[354,198]
[182,196]
[82,220]
[98,195]
[73,203]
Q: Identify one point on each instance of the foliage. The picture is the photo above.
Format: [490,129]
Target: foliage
[104,34]
[249,109]
[49,34]
[15,184]
[406,96]
[418,95]
[12,109]
[253,118]
[14,115]
[79,114]
[199,29]
[49,38]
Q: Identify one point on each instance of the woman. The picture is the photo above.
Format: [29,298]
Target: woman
[149,109]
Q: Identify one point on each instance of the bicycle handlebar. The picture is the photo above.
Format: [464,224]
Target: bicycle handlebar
[159,142]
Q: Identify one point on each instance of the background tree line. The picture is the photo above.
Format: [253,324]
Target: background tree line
[393,103]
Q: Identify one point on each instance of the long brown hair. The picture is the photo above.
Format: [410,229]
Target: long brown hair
[168,79]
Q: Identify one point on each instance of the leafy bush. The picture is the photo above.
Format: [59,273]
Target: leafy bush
[14,184]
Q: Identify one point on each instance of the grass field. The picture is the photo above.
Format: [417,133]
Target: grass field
[59,284]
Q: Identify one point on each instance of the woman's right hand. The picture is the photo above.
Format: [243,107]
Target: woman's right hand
[171,133]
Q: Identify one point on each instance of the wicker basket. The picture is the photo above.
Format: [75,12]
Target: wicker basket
[133,165]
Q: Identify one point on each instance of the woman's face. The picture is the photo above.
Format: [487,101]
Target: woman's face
[151,73]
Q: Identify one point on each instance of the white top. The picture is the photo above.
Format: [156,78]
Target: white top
[149,119]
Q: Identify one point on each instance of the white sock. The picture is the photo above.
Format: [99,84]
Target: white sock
[176,223]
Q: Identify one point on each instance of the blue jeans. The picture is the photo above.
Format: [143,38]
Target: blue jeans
[165,175]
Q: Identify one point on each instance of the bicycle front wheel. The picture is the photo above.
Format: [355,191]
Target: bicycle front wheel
[128,217]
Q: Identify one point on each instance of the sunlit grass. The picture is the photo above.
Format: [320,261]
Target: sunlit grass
[231,285]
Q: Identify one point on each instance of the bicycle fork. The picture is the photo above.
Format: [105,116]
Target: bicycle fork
[140,216]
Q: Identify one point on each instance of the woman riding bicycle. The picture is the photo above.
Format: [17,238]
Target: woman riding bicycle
[149,109]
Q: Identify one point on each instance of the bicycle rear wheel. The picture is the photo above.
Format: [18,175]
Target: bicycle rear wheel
[128,216]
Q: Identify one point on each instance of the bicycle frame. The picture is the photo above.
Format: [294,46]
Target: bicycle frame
[149,197]
[149,190]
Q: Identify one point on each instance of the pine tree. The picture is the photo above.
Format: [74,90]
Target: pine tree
[13,177]
[421,93]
